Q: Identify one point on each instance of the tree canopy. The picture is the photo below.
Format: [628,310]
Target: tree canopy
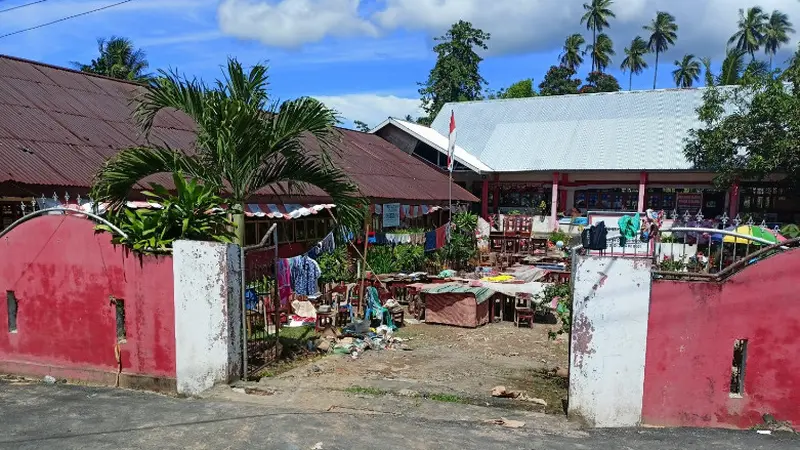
[599,82]
[118,58]
[520,89]
[455,76]
[750,131]
[559,81]
[244,143]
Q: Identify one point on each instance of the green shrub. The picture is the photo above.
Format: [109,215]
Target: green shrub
[193,213]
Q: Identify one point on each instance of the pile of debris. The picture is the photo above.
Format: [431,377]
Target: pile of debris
[357,337]
[502,392]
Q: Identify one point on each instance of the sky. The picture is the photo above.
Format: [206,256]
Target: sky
[364,58]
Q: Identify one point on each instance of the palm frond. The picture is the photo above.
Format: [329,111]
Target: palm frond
[170,90]
[115,180]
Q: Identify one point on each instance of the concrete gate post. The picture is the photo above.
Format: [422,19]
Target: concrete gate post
[208,316]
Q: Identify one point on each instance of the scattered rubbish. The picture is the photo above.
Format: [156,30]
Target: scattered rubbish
[767,432]
[262,392]
[772,424]
[407,393]
[562,373]
[238,390]
[508,423]
[49,379]
[317,446]
[502,392]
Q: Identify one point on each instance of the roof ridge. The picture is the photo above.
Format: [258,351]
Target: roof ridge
[67,69]
[586,94]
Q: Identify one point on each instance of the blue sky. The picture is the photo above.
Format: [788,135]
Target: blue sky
[362,57]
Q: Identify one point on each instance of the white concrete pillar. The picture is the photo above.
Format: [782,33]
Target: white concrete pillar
[208,314]
[554,203]
[642,190]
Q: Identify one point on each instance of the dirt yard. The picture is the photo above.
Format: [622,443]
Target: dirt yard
[447,364]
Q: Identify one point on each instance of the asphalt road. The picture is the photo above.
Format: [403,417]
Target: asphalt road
[38,416]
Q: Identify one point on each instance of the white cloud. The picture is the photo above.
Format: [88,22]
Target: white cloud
[542,25]
[292,23]
[371,108]
[516,26]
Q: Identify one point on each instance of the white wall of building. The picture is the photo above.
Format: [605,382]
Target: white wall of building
[611,303]
[208,325]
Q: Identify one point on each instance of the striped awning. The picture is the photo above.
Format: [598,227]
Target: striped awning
[408,211]
[283,211]
[261,210]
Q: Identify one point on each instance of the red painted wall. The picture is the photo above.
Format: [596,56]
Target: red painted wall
[63,273]
[692,329]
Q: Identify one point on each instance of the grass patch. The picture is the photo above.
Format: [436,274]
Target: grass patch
[358,390]
[294,351]
[447,398]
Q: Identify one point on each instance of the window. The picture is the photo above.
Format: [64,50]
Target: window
[738,368]
[11,301]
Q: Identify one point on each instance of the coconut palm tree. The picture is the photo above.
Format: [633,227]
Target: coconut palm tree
[596,19]
[776,33]
[752,27]
[733,67]
[118,59]
[663,34]
[709,74]
[634,62]
[572,55]
[687,71]
[601,52]
[244,142]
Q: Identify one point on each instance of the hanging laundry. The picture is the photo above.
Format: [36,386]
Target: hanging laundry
[430,241]
[326,245]
[597,236]
[380,239]
[628,228]
[284,281]
[305,274]
[441,235]
[393,239]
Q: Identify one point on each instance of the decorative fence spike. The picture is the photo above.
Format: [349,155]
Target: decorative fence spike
[737,220]
[699,217]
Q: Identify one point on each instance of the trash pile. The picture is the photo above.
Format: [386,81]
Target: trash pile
[502,392]
[358,337]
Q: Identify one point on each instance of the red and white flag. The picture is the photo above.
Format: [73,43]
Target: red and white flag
[451,148]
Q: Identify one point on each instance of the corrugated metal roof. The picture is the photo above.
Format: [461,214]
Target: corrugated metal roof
[58,126]
[438,141]
[638,130]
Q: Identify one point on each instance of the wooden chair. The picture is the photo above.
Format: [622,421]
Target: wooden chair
[523,312]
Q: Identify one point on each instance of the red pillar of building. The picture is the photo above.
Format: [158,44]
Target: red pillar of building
[734,199]
[562,193]
[496,200]
[485,199]
[642,190]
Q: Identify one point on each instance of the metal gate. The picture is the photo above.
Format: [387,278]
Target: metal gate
[261,306]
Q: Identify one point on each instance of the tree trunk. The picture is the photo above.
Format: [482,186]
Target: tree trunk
[630,83]
[594,46]
[655,77]
[238,220]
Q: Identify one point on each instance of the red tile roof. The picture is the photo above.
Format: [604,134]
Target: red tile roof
[57,126]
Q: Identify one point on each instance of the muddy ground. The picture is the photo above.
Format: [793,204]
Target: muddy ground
[443,363]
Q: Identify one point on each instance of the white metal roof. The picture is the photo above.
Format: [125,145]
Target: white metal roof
[638,130]
[438,141]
